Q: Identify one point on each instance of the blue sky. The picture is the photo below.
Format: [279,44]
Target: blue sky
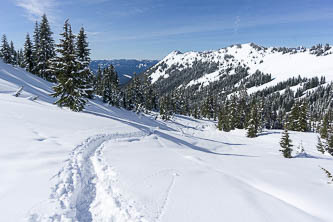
[150,29]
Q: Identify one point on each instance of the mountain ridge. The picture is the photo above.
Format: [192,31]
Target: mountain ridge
[201,69]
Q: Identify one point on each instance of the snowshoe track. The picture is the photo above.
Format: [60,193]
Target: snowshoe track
[84,179]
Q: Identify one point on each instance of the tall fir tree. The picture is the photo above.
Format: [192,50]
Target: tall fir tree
[65,66]
[45,52]
[329,146]
[5,50]
[253,125]
[293,118]
[286,143]
[303,117]
[13,54]
[320,146]
[28,54]
[324,126]
[110,86]
[83,57]
[35,48]
[98,85]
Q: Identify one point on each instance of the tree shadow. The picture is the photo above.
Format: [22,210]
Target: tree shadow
[268,133]
[309,156]
[194,147]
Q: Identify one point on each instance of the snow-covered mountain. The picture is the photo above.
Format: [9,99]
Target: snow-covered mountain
[124,67]
[108,164]
[202,68]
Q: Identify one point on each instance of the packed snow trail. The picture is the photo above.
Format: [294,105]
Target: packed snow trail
[84,192]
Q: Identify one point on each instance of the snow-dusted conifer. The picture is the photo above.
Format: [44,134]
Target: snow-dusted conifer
[110,86]
[5,50]
[83,57]
[303,117]
[28,54]
[253,124]
[293,118]
[13,54]
[324,127]
[45,51]
[98,86]
[320,146]
[35,48]
[285,143]
[64,66]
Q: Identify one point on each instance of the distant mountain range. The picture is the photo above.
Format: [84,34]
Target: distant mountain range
[124,67]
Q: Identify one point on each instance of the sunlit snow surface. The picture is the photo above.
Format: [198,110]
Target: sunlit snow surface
[107,164]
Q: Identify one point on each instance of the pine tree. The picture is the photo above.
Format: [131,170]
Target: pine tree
[20,58]
[110,86]
[35,49]
[13,54]
[285,144]
[219,121]
[293,119]
[224,118]
[45,51]
[324,127]
[233,113]
[252,128]
[165,107]
[329,147]
[320,146]
[303,117]
[28,57]
[98,86]
[83,53]
[150,96]
[5,50]
[65,65]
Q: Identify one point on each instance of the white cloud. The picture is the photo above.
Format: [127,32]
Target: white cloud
[36,8]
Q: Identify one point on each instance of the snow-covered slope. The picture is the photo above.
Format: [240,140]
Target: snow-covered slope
[107,164]
[280,63]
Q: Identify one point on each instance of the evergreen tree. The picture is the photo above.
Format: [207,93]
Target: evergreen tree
[285,144]
[320,146]
[165,107]
[150,96]
[65,65]
[35,48]
[13,54]
[45,52]
[135,94]
[20,58]
[110,86]
[224,118]
[98,82]
[233,112]
[293,119]
[5,50]
[219,121]
[83,53]
[303,117]
[28,56]
[329,147]
[324,127]
[252,128]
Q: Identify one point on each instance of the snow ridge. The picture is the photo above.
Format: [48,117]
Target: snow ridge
[85,186]
[282,65]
